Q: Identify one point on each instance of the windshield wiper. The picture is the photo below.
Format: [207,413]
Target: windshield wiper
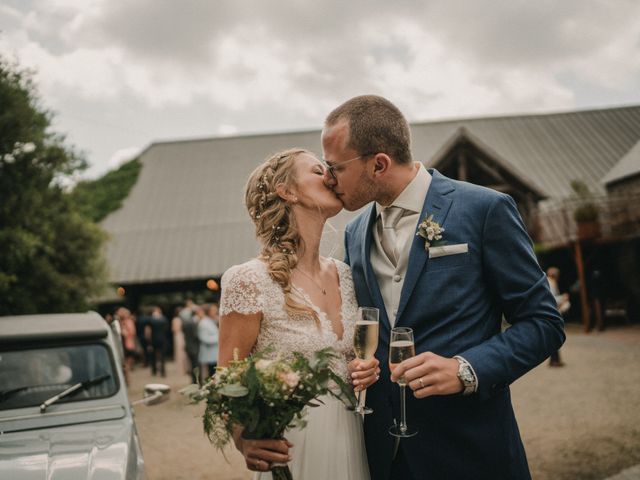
[77,387]
[10,393]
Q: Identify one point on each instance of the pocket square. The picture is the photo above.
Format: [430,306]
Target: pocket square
[435,252]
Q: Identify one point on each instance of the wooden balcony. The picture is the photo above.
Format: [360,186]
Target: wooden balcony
[553,224]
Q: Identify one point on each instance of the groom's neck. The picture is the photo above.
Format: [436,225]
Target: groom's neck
[398,177]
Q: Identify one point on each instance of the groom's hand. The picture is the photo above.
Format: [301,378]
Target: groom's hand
[429,374]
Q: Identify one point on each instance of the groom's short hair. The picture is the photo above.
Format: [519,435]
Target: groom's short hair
[375,125]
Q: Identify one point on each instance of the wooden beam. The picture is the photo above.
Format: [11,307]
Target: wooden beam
[462,167]
[480,163]
[584,301]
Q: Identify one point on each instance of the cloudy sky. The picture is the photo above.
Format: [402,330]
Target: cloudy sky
[120,74]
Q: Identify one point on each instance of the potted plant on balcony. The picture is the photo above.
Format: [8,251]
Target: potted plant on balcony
[586,213]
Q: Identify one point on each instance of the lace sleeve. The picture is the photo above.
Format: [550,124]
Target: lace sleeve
[240,291]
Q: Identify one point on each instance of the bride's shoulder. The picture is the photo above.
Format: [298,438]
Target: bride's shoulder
[250,271]
[343,268]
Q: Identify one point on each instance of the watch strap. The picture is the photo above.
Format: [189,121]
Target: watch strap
[467,376]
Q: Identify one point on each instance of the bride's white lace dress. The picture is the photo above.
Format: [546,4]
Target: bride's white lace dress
[331,446]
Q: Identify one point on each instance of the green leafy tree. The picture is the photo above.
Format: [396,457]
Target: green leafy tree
[98,198]
[50,254]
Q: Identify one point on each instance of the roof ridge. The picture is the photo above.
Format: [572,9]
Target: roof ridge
[413,123]
[526,115]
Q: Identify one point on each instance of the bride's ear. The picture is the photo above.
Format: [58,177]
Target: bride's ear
[286,194]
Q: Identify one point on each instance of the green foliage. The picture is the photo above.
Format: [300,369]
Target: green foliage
[51,255]
[587,210]
[98,198]
[540,249]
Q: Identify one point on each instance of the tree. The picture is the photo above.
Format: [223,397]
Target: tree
[50,255]
[98,198]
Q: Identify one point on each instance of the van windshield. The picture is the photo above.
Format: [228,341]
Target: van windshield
[29,377]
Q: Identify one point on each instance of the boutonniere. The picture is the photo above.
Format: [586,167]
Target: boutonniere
[431,232]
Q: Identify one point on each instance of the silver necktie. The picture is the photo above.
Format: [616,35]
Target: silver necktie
[390,217]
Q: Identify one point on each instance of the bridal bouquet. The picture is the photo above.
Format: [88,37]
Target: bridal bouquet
[266,396]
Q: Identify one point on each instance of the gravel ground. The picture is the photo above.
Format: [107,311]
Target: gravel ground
[579,422]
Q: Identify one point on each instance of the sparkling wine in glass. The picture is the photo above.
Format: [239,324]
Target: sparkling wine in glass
[401,347]
[365,343]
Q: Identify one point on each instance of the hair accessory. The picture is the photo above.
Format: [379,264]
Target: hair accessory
[262,187]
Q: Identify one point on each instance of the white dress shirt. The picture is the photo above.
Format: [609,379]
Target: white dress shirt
[390,278]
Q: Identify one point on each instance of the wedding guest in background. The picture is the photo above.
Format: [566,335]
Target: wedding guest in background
[128,329]
[179,353]
[186,312]
[128,333]
[144,335]
[562,299]
[595,294]
[159,326]
[192,344]
[208,337]
[213,313]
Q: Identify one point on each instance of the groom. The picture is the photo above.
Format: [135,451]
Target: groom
[452,294]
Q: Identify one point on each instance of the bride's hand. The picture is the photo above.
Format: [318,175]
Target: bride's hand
[364,373]
[260,454]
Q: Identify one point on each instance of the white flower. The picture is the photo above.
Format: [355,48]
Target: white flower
[429,230]
[263,364]
[291,379]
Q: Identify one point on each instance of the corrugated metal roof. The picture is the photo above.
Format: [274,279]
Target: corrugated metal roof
[551,149]
[628,166]
[185,216]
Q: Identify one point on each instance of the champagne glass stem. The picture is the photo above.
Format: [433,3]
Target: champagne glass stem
[358,405]
[403,412]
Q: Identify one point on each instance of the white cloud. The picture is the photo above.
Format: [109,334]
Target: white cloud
[226,129]
[255,66]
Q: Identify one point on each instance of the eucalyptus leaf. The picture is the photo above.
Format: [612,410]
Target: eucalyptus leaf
[234,390]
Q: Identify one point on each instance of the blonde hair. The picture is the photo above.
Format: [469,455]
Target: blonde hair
[276,227]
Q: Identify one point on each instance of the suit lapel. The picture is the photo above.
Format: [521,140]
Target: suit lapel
[369,274]
[437,203]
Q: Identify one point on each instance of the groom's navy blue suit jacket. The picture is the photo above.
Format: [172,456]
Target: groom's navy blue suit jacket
[455,305]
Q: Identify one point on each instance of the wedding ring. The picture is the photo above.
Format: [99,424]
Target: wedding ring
[421,382]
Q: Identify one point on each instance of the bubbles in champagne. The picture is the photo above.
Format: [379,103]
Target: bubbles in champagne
[399,351]
[365,339]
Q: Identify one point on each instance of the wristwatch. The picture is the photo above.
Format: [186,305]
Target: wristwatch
[467,376]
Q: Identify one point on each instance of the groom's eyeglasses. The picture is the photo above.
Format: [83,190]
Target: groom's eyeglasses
[338,167]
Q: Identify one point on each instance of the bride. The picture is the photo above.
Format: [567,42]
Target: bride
[292,299]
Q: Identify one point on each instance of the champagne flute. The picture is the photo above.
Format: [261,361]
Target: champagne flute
[401,347]
[365,343]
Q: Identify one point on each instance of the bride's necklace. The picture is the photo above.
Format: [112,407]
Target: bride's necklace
[324,292]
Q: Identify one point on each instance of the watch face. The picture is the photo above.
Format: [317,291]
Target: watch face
[466,375]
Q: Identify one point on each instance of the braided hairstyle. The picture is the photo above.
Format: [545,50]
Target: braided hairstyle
[276,227]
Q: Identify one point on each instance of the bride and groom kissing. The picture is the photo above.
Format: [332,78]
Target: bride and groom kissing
[452,296]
